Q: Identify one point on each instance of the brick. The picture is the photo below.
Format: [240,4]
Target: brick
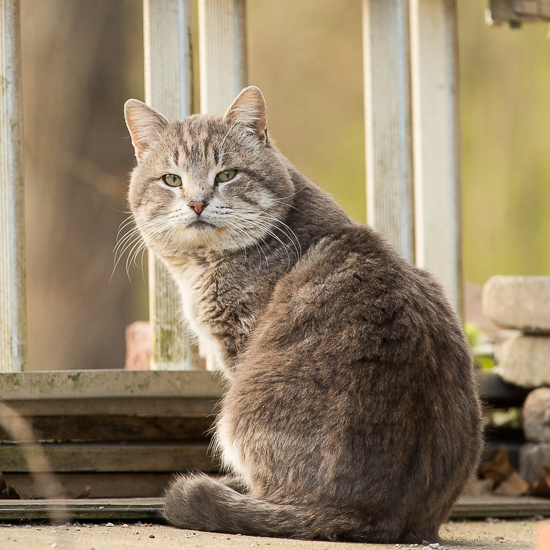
[521,303]
[532,457]
[536,415]
[138,346]
[525,361]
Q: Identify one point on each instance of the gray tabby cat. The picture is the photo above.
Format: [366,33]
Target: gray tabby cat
[351,412]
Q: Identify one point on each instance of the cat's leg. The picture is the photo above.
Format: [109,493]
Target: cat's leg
[237,483]
[427,533]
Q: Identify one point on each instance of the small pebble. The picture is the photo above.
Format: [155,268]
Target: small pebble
[139,524]
[27,526]
[151,536]
[135,532]
[109,524]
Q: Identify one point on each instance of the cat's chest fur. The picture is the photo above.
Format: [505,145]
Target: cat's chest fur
[221,301]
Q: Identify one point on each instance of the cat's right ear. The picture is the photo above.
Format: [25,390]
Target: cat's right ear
[144,124]
[249,112]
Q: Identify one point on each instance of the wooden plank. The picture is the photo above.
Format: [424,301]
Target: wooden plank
[436,142]
[109,383]
[82,510]
[222,61]
[150,509]
[96,457]
[500,507]
[388,122]
[168,88]
[139,406]
[222,53]
[102,427]
[151,393]
[102,485]
[12,250]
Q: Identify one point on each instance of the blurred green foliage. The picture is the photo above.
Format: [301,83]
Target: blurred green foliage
[307,58]
[483,355]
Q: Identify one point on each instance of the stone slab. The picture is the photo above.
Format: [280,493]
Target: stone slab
[521,303]
[525,361]
[536,416]
[532,457]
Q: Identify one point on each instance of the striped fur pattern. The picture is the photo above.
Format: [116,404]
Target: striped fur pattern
[351,411]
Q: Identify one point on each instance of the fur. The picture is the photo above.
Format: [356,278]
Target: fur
[351,412]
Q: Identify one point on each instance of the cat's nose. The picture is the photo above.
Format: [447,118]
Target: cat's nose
[198,206]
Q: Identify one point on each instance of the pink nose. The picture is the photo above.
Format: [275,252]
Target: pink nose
[198,206]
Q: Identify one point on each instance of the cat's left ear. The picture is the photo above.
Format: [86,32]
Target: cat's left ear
[249,111]
[144,124]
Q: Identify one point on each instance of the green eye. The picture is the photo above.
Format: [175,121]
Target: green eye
[172,180]
[226,175]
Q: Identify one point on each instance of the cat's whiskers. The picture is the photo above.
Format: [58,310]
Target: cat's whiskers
[131,242]
[233,225]
[235,232]
[263,222]
[264,232]
[290,234]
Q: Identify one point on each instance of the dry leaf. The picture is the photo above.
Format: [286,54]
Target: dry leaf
[6,490]
[514,486]
[542,487]
[84,494]
[477,487]
[498,468]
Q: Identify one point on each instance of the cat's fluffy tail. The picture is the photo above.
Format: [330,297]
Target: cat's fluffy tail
[206,504]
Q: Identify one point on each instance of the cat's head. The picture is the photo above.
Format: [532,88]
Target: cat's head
[207,182]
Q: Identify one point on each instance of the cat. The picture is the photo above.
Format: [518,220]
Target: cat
[351,412]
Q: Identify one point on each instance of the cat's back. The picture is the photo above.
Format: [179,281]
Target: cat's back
[355,323]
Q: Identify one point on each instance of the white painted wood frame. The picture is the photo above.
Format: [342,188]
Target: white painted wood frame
[222,53]
[436,142]
[386,57]
[222,62]
[168,88]
[12,250]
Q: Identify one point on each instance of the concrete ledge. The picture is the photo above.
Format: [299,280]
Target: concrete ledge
[521,303]
[525,361]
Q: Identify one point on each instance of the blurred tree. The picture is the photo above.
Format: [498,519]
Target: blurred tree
[83,58]
[76,55]
[505,93]
[306,57]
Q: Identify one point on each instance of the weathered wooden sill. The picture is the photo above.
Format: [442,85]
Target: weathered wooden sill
[150,509]
[125,433]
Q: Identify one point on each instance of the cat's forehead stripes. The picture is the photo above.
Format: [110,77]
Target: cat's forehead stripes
[199,140]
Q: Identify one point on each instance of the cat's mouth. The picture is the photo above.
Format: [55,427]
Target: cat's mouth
[200,224]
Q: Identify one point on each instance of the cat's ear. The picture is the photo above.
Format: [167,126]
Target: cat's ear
[249,111]
[145,125]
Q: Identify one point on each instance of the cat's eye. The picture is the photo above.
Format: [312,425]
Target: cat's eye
[226,175]
[172,180]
